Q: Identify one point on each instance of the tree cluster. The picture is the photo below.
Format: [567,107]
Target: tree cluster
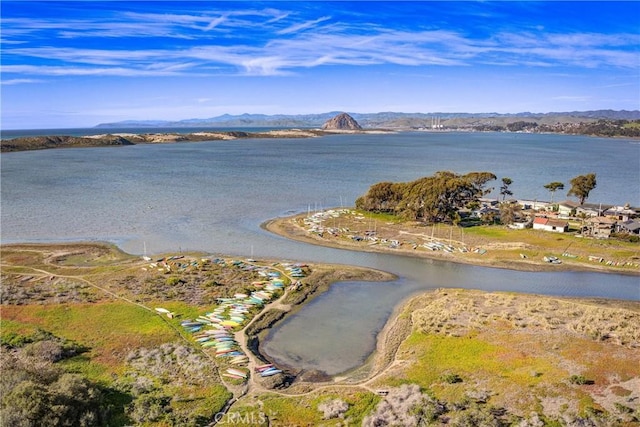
[439,198]
[625,128]
[603,127]
[37,392]
[521,126]
[582,185]
[434,198]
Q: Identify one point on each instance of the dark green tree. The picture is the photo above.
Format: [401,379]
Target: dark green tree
[434,198]
[553,187]
[581,186]
[504,189]
[381,197]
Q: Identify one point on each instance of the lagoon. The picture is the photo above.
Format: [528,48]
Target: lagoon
[213,196]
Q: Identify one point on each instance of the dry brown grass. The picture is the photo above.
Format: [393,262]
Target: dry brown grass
[522,351]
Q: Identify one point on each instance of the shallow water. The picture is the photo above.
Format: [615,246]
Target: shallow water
[213,196]
[336,331]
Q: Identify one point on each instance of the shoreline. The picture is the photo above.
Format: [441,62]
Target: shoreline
[290,228]
[322,277]
[318,282]
[116,139]
[43,142]
[398,326]
[378,362]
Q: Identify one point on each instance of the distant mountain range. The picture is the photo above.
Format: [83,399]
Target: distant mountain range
[379,120]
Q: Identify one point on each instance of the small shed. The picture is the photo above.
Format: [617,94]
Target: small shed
[550,224]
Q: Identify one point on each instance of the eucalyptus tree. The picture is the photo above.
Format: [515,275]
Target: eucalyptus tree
[504,189]
[553,187]
[581,186]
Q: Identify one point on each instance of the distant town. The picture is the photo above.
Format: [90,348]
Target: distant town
[621,123]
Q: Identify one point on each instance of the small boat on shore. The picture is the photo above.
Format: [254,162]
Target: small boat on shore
[235,377]
[270,372]
[236,372]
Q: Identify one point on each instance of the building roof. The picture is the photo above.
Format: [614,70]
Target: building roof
[550,222]
[602,220]
[619,210]
[630,225]
[569,203]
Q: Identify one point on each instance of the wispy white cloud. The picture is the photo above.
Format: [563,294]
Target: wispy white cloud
[65,71]
[215,22]
[295,28]
[276,42]
[19,81]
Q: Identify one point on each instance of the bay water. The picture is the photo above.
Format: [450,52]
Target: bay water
[213,196]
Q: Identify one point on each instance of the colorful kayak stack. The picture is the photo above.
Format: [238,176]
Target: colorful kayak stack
[267,370]
[214,330]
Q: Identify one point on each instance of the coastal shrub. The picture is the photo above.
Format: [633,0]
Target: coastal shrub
[623,409]
[406,406]
[477,415]
[149,407]
[579,380]
[333,408]
[451,378]
[36,392]
[47,349]
[173,280]
[172,383]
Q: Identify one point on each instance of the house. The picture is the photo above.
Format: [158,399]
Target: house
[620,213]
[483,211]
[549,224]
[630,226]
[567,208]
[600,227]
[587,211]
[534,205]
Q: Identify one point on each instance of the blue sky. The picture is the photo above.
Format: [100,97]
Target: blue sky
[77,64]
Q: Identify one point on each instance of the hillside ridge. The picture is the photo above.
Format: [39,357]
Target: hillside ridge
[379,119]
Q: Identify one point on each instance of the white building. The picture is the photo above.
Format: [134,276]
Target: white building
[548,224]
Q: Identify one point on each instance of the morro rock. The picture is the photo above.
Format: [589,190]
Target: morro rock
[342,121]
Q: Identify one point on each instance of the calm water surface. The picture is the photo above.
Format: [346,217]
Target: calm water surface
[213,196]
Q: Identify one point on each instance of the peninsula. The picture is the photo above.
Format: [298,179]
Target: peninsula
[342,123]
[489,246]
[123,139]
